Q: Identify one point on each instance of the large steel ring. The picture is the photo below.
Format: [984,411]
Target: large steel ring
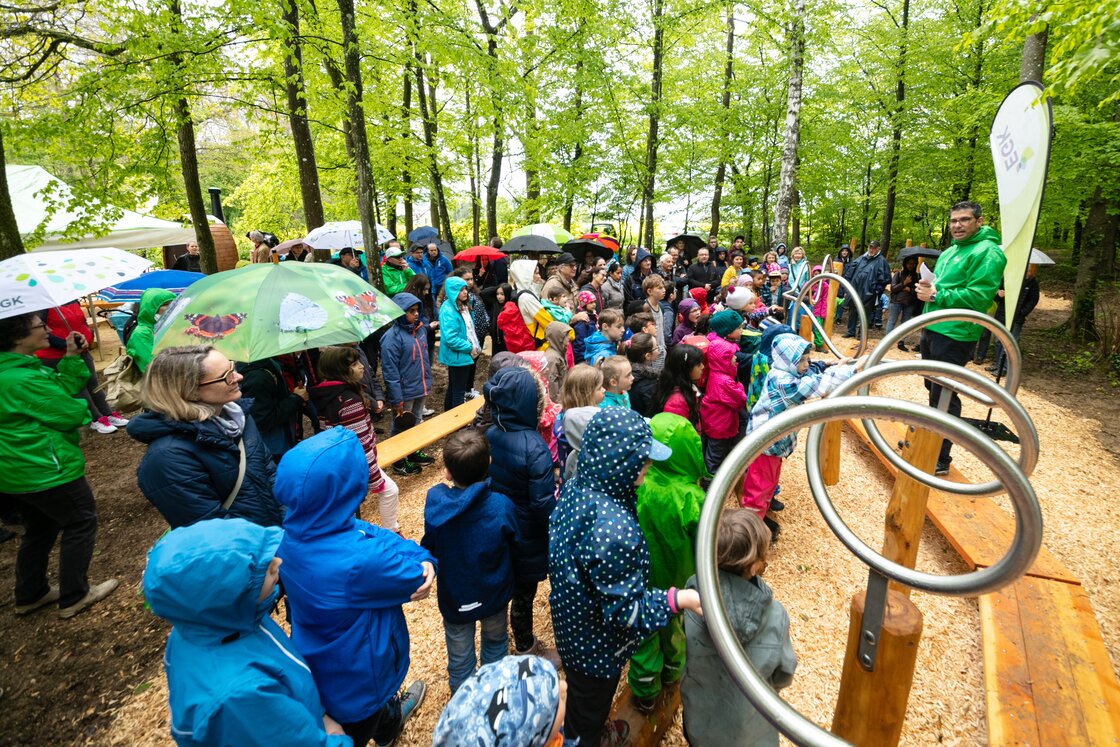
[1024,545]
[798,302]
[1000,397]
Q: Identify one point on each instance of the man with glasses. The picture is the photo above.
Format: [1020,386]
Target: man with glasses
[968,275]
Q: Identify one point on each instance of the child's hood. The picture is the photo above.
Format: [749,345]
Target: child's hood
[575,423]
[557,335]
[513,395]
[521,272]
[406,301]
[786,352]
[768,336]
[616,444]
[679,435]
[445,502]
[721,355]
[451,288]
[322,481]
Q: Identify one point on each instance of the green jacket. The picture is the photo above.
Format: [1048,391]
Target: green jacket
[39,421]
[395,279]
[142,339]
[968,275]
[669,502]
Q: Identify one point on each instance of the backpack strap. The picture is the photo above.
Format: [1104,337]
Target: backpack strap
[240,475]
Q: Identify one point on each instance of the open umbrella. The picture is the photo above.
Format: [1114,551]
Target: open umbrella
[531,245]
[693,242]
[265,310]
[577,247]
[918,251]
[341,234]
[549,231]
[42,280]
[422,234]
[443,246]
[175,281]
[285,246]
[476,253]
[1039,257]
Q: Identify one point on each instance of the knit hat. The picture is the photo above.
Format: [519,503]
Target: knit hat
[512,702]
[758,315]
[773,269]
[725,322]
[584,298]
[739,298]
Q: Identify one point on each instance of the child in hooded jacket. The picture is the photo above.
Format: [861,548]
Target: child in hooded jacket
[724,396]
[559,356]
[406,368]
[514,334]
[585,328]
[604,343]
[601,600]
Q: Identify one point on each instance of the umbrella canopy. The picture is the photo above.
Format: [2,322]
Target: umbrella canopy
[693,243]
[531,245]
[1039,257]
[476,253]
[549,231]
[341,234]
[284,246]
[443,246]
[175,281]
[265,310]
[577,247]
[422,234]
[605,239]
[33,282]
[918,251]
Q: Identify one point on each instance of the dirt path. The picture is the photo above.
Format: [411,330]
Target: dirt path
[97,679]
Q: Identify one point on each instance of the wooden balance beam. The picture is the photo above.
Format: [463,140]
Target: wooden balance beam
[647,728]
[397,447]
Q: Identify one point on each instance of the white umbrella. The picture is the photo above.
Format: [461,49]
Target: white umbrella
[43,280]
[1040,258]
[341,234]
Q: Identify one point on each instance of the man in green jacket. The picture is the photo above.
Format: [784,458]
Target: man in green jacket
[395,273]
[44,470]
[968,275]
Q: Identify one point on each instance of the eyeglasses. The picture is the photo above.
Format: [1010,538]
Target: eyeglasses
[39,326]
[229,378]
[960,221]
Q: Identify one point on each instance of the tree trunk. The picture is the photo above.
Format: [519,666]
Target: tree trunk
[866,206]
[473,168]
[1093,247]
[355,115]
[577,151]
[309,190]
[440,215]
[654,121]
[725,102]
[10,242]
[788,175]
[896,129]
[1033,62]
[769,177]
[406,128]
[963,191]
[498,150]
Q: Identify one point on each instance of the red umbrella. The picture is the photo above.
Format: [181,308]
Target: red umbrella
[476,253]
[608,241]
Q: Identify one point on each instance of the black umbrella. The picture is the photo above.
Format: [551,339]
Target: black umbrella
[578,247]
[531,245]
[692,243]
[918,251]
[444,247]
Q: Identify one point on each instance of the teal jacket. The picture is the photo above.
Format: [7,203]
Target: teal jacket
[39,422]
[968,275]
[454,346]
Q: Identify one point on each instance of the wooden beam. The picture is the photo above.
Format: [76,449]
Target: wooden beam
[427,433]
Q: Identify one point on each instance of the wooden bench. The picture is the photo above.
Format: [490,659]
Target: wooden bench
[397,447]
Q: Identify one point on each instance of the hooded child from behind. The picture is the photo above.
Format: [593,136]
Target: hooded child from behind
[142,339]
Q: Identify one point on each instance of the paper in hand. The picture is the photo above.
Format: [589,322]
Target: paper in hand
[927,274]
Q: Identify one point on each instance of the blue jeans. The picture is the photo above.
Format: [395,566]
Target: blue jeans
[461,661]
[899,314]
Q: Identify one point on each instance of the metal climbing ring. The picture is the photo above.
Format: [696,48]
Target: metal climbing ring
[799,301]
[815,297]
[1024,545]
[1000,397]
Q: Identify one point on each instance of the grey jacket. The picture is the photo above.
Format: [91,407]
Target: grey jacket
[716,713]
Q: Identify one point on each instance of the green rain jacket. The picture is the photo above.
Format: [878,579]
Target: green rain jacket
[39,421]
[395,279]
[669,502]
[968,275]
[142,339]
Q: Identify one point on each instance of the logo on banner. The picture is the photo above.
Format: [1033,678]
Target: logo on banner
[11,303]
[1012,158]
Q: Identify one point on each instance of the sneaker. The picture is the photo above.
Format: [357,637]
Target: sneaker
[847,336]
[615,734]
[774,527]
[115,418]
[49,598]
[405,468]
[419,457]
[102,425]
[539,649]
[472,394]
[776,505]
[427,412]
[410,699]
[903,348]
[942,467]
[645,705]
[92,597]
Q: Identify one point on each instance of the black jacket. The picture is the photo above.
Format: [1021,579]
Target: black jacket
[700,275]
[643,393]
[275,410]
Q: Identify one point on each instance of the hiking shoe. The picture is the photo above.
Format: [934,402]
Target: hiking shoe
[405,468]
[902,346]
[115,418]
[410,699]
[774,527]
[49,598]
[539,649]
[776,505]
[942,467]
[427,412]
[615,734]
[645,705]
[420,458]
[102,425]
[92,597]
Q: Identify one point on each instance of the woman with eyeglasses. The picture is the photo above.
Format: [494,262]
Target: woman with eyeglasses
[205,458]
[43,474]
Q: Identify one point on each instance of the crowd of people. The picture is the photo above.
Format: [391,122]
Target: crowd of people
[614,390]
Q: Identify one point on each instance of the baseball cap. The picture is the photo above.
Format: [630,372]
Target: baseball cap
[393,251]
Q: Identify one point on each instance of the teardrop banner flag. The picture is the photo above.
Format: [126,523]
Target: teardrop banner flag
[1020,139]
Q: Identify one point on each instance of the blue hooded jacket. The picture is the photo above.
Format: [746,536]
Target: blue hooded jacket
[232,674]
[437,271]
[346,579]
[598,558]
[472,532]
[597,347]
[404,356]
[454,346]
[522,465]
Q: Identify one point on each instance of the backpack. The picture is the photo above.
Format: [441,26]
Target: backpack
[122,384]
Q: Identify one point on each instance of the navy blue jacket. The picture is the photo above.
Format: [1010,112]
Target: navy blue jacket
[472,533]
[190,468]
[522,465]
[404,356]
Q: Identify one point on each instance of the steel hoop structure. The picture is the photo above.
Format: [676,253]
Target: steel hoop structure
[1024,546]
[1014,375]
[1000,397]
[799,302]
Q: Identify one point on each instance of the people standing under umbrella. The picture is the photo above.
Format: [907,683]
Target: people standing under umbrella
[276,410]
[395,273]
[348,258]
[459,346]
[611,290]
[415,259]
[904,296]
[190,261]
[643,268]
[703,274]
[44,470]
[565,277]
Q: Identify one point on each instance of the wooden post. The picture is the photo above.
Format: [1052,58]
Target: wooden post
[909,242]
[830,446]
[906,511]
[805,327]
[871,707]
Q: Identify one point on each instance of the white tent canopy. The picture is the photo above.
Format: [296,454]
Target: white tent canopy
[33,198]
